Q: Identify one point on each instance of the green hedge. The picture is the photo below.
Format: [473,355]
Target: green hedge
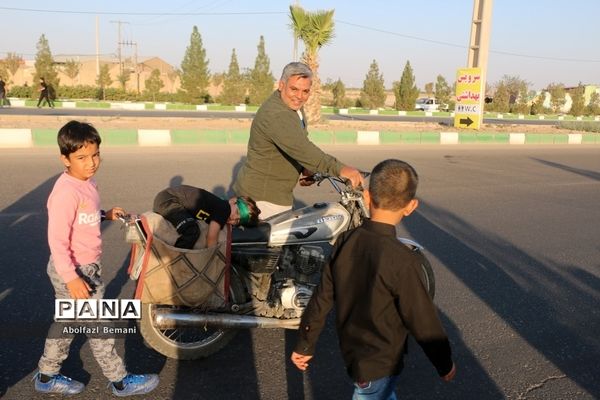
[585,126]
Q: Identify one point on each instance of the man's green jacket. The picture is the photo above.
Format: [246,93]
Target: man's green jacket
[278,149]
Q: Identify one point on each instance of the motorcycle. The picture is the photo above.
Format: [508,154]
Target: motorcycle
[274,270]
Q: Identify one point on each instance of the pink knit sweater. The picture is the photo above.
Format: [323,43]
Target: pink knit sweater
[74,225]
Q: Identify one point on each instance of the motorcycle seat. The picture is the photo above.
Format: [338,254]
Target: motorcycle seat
[259,234]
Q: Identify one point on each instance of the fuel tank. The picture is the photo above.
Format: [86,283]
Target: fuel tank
[321,222]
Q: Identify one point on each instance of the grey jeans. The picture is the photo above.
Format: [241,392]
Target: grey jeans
[56,350]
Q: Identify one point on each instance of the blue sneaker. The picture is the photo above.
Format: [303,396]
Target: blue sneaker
[136,384]
[58,384]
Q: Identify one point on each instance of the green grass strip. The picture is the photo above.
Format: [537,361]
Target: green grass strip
[322,137]
[388,137]
[430,137]
[119,137]
[485,137]
[345,137]
[590,138]
[43,137]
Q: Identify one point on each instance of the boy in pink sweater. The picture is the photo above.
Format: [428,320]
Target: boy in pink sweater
[74,268]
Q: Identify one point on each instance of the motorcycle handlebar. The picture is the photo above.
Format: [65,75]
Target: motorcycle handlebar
[319,177]
[334,180]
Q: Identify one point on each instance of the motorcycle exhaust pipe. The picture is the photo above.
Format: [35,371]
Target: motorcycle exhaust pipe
[166,319]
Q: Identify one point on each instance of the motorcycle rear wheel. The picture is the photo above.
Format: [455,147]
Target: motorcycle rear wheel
[188,343]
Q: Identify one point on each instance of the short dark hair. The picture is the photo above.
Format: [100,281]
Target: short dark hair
[253,211]
[393,184]
[74,135]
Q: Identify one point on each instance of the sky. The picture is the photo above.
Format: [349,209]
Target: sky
[539,41]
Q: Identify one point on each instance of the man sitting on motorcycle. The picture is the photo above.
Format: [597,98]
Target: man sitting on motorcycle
[279,150]
[183,205]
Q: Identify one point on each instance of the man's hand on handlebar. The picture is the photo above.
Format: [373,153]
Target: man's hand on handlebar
[307,178]
[353,175]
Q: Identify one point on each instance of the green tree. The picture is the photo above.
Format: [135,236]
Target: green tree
[443,91]
[339,94]
[429,89]
[3,71]
[217,78]
[234,90]
[315,29]
[103,80]
[261,79]
[71,69]
[12,62]
[406,91]
[537,105]
[154,83]
[522,106]
[44,64]
[593,107]
[123,78]
[515,86]
[501,101]
[195,75]
[372,94]
[557,96]
[578,100]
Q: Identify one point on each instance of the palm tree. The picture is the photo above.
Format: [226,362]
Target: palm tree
[315,29]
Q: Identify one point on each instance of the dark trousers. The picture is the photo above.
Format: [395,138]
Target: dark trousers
[44,96]
[183,220]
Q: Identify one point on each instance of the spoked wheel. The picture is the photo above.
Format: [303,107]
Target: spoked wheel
[187,343]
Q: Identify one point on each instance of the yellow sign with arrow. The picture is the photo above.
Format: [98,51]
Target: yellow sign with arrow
[469,98]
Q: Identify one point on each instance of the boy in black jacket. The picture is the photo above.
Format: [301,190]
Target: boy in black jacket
[375,283]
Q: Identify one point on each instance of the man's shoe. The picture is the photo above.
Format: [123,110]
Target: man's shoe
[136,384]
[58,384]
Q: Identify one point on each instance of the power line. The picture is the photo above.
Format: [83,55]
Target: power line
[141,13]
[412,37]
[506,53]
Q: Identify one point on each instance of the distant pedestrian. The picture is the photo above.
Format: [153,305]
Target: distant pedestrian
[2,92]
[44,94]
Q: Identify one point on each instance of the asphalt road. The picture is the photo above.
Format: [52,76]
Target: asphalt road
[512,233]
[241,115]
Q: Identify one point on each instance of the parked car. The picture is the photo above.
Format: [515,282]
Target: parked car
[429,104]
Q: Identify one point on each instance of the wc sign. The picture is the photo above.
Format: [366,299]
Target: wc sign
[97,309]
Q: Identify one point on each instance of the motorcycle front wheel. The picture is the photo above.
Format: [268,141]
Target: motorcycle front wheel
[427,276]
[189,343]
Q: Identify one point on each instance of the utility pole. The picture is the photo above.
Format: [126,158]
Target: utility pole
[470,81]
[135,61]
[119,23]
[97,48]
[479,43]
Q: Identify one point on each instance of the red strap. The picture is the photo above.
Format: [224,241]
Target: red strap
[149,236]
[131,259]
[227,263]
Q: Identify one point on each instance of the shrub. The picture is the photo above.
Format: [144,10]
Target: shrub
[585,126]
[24,92]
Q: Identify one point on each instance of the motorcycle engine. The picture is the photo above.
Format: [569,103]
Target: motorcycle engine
[298,275]
[281,280]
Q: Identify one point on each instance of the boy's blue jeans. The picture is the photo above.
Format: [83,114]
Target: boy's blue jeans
[380,389]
